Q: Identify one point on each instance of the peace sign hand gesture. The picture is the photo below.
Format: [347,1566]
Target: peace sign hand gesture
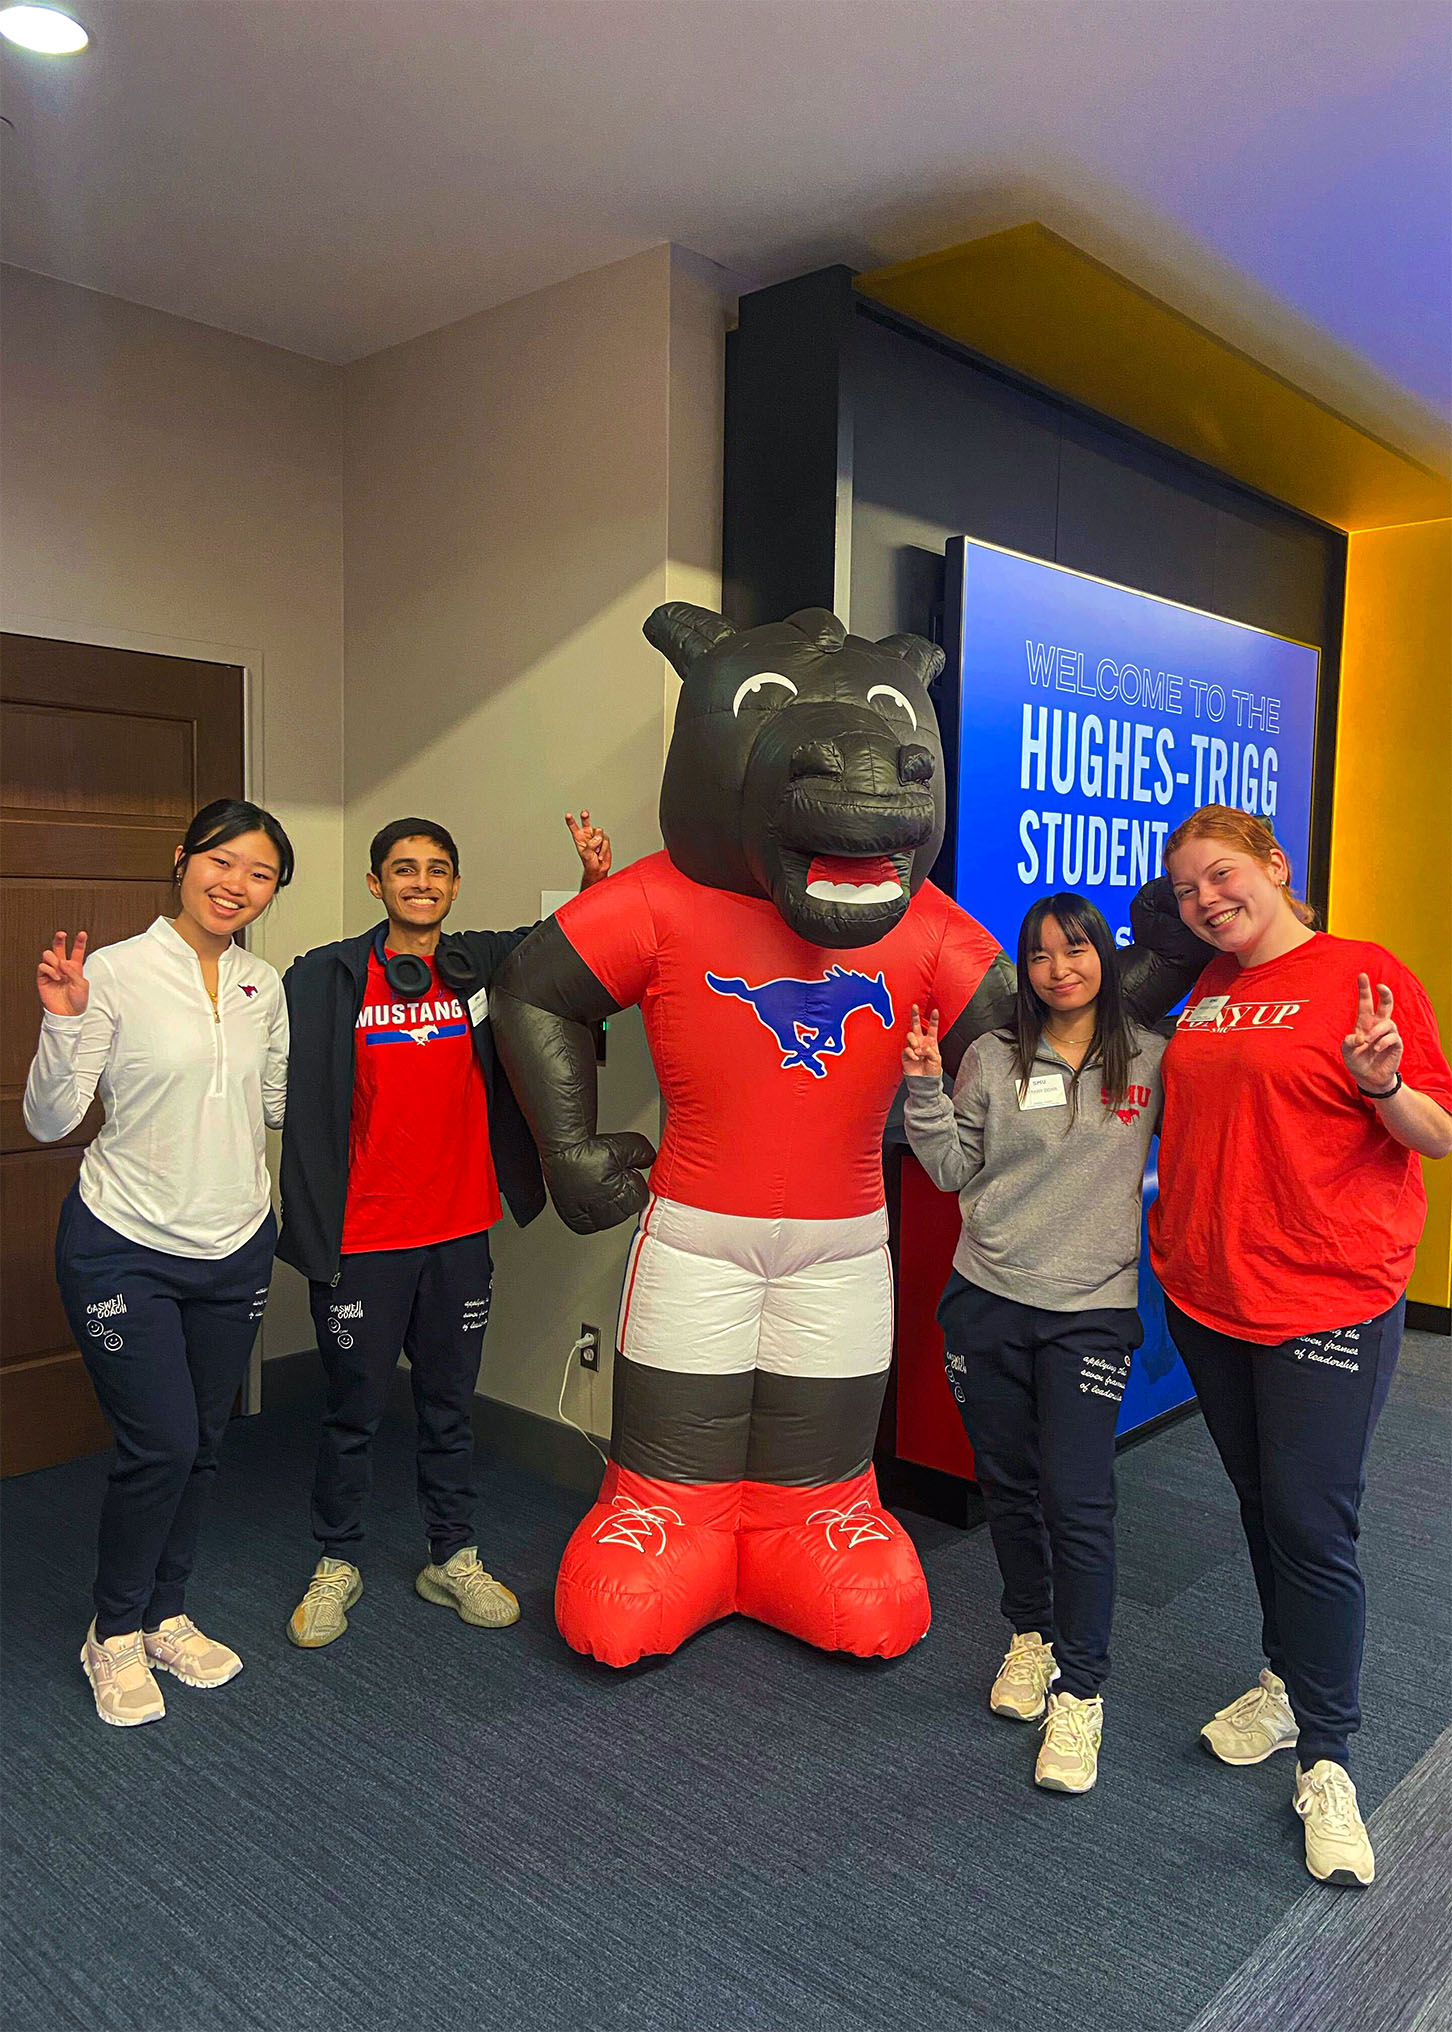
[63,987]
[1373,1050]
[592,844]
[920,1054]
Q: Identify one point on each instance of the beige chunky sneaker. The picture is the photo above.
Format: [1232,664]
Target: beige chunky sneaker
[1253,1727]
[126,1694]
[1024,1678]
[1337,1850]
[321,1615]
[1069,1754]
[462,1584]
[178,1646]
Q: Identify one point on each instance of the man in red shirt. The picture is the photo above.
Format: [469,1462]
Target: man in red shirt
[401,1144]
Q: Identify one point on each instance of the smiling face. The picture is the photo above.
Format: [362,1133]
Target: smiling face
[1064,969]
[806,767]
[416,883]
[1231,899]
[226,886]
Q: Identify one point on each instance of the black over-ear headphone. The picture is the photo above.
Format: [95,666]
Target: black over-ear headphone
[410,976]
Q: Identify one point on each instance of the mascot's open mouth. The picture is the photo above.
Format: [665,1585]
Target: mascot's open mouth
[841,853]
[857,879]
[832,898]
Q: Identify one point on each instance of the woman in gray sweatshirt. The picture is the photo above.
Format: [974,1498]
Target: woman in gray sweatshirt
[1045,1140]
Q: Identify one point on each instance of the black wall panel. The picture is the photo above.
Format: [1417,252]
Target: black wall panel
[788,457]
[1118,513]
[857,444]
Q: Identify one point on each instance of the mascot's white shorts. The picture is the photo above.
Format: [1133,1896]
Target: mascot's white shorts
[722,1294]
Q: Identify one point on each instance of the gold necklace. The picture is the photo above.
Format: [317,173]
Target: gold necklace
[212,998]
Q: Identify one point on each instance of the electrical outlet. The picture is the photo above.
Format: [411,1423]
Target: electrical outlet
[590,1351]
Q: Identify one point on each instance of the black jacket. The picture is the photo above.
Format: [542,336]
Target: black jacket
[325,990]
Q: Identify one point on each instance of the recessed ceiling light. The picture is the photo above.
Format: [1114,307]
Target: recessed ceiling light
[44,29]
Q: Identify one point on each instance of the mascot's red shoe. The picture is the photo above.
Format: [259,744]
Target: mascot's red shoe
[648,1566]
[829,1565]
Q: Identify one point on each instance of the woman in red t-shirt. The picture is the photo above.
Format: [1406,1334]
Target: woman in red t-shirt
[1302,1082]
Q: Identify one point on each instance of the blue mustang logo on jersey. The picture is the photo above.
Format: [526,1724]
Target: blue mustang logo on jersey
[807,1018]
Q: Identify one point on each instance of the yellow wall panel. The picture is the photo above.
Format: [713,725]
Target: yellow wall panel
[1391,838]
[1036,303]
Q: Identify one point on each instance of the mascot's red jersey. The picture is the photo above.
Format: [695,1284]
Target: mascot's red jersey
[776,949]
[778,1060]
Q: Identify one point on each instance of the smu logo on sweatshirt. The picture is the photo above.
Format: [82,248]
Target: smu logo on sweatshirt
[1136,1099]
[412,1022]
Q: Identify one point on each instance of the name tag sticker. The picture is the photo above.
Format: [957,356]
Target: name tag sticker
[1204,1013]
[478,1005]
[1045,1090]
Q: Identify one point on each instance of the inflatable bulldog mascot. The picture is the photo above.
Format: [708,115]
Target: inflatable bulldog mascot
[776,948]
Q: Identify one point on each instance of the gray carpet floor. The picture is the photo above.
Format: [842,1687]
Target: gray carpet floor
[431,1825]
[1379,1963]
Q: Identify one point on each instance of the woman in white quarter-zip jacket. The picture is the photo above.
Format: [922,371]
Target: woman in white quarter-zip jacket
[164,1249]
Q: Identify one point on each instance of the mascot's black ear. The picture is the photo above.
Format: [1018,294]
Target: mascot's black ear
[819,626]
[922,657]
[685,633]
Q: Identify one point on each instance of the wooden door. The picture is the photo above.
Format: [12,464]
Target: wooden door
[106,755]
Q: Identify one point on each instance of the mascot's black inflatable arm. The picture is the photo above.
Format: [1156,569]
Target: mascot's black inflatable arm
[1166,958]
[541,1003]
[991,1008]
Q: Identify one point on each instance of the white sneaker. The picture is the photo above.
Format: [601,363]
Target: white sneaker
[1069,1755]
[126,1694]
[179,1647]
[1024,1678]
[1337,1849]
[1253,1727]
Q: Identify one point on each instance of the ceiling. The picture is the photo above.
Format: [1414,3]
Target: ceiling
[333,176]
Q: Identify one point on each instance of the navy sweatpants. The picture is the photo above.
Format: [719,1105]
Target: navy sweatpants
[166,1341]
[433,1304]
[1039,1394]
[1292,1424]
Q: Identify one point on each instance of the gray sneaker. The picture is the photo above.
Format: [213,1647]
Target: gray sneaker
[462,1584]
[320,1617]
[1253,1727]
[1021,1689]
[1337,1848]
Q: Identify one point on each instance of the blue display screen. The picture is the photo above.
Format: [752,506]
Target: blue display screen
[1092,720]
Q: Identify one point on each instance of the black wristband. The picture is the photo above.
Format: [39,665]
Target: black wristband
[1386,1095]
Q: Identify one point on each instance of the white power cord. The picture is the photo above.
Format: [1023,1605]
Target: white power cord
[584,1341]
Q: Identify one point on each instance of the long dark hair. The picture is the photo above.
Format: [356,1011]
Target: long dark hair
[1113,1045]
[227,818]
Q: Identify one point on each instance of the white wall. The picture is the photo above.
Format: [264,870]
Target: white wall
[521,489]
[474,524]
[172,488]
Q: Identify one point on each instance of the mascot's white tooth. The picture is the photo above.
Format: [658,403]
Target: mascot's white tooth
[854,892]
